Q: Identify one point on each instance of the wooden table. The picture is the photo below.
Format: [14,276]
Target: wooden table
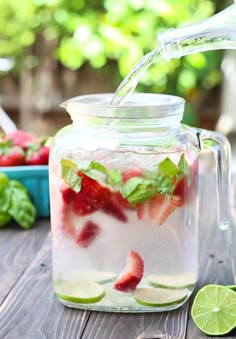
[29,309]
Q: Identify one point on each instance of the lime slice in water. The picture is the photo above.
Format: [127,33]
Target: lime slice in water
[172,281]
[158,297]
[214,310]
[84,292]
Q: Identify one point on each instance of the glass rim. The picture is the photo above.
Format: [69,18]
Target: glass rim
[138,105]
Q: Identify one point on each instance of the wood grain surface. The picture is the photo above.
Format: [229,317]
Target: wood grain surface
[29,310]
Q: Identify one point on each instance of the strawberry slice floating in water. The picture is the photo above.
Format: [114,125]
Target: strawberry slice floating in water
[112,209]
[132,273]
[157,209]
[87,234]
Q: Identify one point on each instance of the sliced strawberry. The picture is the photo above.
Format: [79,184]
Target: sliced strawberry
[129,278]
[131,173]
[112,208]
[93,191]
[120,201]
[91,197]
[155,210]
[87,234]
[67,194]
[83,206]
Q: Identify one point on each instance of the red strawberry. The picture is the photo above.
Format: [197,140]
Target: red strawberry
[67,194]
[91,197]
[120,201]
[83,206]
[87,234]
[131,173]
[93,191]
[129,278]
[112,208]
[155,210]
[20,138]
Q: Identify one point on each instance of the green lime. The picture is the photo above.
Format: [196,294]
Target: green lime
[172,281]
[214,310]
[158,297]
[232,287]
[83,292]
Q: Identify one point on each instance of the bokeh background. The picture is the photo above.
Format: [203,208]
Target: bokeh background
[51,50]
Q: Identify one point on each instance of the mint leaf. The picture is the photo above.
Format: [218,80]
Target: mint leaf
[69,175]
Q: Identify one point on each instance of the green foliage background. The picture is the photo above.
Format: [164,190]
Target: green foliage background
[111,36]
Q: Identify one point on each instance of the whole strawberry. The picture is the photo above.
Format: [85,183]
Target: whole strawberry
[20,138]
[11,155]
[37,155]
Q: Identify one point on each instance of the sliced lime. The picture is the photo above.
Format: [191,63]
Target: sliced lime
[232,287]
[83,292]
[214,310]
[172,281]
[158,297]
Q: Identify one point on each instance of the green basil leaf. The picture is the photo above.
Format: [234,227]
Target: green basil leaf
[22,211]
[114,178]
[69,175]
[184,168]
[5,199]
[4,181]
[164,185]
[16,184]
[130,186]
[168,168]
[93,165]
[5,218]
[137,190]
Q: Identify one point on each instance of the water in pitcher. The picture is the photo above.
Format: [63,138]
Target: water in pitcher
[157,241]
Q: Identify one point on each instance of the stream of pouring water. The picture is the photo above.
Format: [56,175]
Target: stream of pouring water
[128,85]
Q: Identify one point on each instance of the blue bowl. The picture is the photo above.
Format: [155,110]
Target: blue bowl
[35,180]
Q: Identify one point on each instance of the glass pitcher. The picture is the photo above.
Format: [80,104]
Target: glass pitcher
[124,203]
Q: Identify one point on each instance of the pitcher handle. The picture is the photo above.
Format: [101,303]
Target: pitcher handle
[221,149]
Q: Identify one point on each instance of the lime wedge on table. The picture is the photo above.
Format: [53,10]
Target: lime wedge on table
[214,309]
[158,297]
[83,292]
[172,281]
[232,287]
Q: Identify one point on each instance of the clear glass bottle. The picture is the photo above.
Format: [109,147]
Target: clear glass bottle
[216,32]
[124,203]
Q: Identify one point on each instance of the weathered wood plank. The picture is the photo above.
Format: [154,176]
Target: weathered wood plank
[31,310]
[17,250]
[165,325]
